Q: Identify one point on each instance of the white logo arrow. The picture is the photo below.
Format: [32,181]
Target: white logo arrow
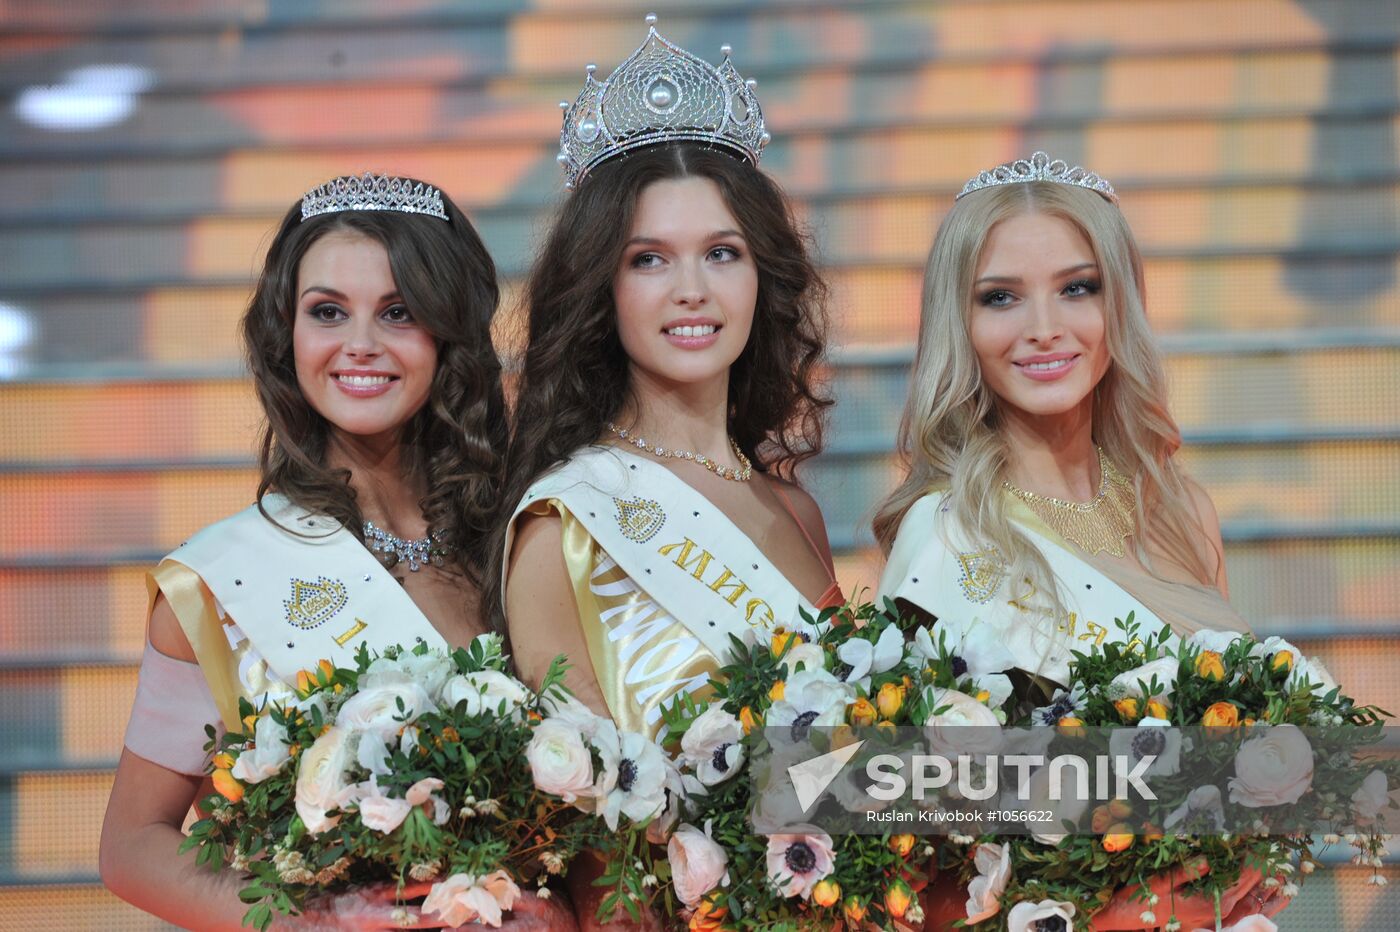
[811,777]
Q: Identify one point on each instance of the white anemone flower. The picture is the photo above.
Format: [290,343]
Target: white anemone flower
[811,697]
[867,659]
[1203,813]
[634,778]
[974,647]
[1152,736]
[713,746]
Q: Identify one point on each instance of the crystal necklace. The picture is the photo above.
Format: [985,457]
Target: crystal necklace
[392,550]
[1100,525]
[742,474]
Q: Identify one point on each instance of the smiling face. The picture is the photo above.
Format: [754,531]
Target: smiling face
[686,287]
[362,361]
[1037,318]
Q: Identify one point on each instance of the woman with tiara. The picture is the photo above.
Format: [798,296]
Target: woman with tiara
[1043,497]
[369,341]
[675,324]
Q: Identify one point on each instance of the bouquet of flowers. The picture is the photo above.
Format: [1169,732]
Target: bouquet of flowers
[416,765]
[1249,747]
[739,856]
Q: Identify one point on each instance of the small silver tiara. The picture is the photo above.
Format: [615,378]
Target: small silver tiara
[1040,167]
[662,93]
[373,192]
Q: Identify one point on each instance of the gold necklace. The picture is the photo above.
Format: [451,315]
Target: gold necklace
[1097,526]
[743,474]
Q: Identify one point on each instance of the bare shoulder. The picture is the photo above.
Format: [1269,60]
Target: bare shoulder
[808,511]
[537,579]
[165,633]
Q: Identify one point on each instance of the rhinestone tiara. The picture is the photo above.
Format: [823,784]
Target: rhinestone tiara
[373,192]
[1040,167]
[662,93]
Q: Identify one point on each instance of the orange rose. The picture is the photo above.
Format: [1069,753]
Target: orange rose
[902,845]
[863,712]
[777,690]
[1118,838]
[782,639]
[228,786]
[1156,708]
[708,916]
[890,700]
[898,896]
[1282,661]
[1120,808]
[827,892]
[1101,821]
[855,909]
[1128,708]
[1221,715]
[223,760]
[1071,726]
[749,720]
[1209,666]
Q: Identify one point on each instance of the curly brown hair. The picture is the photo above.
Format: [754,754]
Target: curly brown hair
[575,377]
[455,443]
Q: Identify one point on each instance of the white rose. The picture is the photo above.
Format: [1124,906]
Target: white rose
[463,898]
[712,745]
[966,726]
[321,777]
[1273,769]
[698,864]
[993,864]
[376,709]
[1027,916]
[267,755]
[429,670]
[1369,799]
[559,761]
[484,691]
[1164,669]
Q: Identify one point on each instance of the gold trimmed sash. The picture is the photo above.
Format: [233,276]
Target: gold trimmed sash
[935,565]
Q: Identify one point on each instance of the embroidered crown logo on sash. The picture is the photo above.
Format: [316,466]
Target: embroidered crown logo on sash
[312,604]
[981,574]
[639,518]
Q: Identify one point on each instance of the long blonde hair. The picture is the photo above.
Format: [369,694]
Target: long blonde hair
[949,435]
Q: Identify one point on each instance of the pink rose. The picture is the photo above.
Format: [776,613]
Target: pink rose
[698,864]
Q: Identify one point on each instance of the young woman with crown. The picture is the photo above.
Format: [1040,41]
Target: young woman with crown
[369,341]
[675,324]
[1043,498]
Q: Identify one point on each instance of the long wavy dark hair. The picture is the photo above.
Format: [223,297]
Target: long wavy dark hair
[576,377]
[456,442]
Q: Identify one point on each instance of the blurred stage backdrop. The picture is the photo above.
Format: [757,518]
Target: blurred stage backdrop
[147,148]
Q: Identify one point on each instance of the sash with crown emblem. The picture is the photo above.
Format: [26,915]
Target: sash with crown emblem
[662,578]
[299,590]
[936,566]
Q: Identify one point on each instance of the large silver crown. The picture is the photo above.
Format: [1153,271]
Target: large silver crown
[1040,167]
[662,93]
[373,192]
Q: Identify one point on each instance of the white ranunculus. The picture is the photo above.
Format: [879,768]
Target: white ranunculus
[1274,768]
[1203,813]
[634,778]
[712,745]
[429,670]
[376,709]
[464,898]
[811,698]
[484,692]
[1069,806]
[965,726]
[1369,799]
[797,862]
[867,659]
[560,762]
[563,707]
[993,863]
[268,755]
[1130,683]
[1027,916]
[698,864]
[383,813]
[1218,641]
[810,656]
[321,777]
[372,753]
[1154,736]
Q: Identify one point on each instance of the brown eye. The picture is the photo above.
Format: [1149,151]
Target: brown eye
[398,314]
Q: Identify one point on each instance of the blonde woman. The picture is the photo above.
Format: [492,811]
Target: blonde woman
[1043,496]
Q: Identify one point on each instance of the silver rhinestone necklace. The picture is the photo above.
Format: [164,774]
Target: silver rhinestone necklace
[392,550]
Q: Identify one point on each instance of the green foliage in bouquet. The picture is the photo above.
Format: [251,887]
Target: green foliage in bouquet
[411,766]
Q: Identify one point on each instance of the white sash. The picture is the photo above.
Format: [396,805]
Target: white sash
[301,599]
[935,565]
[682,550]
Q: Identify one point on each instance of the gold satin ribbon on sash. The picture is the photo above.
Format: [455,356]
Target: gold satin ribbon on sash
[628,634]
[194,608]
